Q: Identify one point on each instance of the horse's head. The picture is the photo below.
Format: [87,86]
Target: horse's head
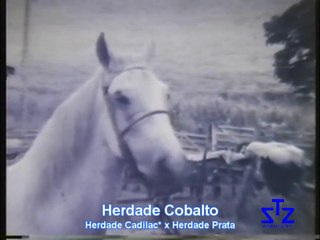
[138,102]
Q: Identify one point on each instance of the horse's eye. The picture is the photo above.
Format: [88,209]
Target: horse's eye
[121,98]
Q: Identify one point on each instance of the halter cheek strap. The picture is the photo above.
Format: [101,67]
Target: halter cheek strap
[127,156]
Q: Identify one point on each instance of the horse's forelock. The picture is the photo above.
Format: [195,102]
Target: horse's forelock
[122,62]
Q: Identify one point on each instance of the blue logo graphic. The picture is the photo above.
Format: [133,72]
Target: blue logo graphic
[285,218]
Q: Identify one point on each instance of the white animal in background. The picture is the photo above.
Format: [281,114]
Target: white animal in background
[281,165]
[279,153]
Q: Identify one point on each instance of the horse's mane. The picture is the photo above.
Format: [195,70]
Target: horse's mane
[72,118]
[68,133]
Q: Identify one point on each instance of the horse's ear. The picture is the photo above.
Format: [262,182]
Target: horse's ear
[102,51]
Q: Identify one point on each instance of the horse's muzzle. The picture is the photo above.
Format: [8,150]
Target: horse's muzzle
[165,184]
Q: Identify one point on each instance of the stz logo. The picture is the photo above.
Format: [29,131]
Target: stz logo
[285,220]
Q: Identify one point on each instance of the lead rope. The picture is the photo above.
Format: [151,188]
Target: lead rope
[128,159]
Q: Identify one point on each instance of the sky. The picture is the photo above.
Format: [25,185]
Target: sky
[65,31]
[196,41]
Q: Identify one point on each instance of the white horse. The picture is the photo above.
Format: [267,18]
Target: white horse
[279,153]
[75,163]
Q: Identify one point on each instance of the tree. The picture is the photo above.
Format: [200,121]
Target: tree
[295,29]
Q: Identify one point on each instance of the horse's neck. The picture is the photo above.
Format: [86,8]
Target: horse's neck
[70,163]
[66,139]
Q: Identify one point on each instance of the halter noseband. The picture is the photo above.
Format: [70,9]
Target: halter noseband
[128,128]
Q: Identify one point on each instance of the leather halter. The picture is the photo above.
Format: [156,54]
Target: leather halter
[127,156]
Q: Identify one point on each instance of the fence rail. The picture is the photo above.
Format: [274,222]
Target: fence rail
[222,137]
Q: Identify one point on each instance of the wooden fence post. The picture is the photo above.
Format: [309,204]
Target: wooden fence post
[213,136]
[245,191]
